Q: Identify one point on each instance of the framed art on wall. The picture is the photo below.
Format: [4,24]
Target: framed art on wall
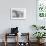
[41,9]
[18,13]
[41,12]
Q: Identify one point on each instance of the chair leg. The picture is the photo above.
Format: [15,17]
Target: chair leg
[5,40]
[5,43]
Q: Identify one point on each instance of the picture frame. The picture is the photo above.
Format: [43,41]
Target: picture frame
[40,12]
[18,13]
[41,9]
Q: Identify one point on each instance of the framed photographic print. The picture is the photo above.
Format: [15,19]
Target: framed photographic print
[41,9]
[18,13]
[41,12]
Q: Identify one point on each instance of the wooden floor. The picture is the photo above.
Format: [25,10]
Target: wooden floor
[13,44]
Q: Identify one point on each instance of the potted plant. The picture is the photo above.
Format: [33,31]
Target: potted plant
[39,35]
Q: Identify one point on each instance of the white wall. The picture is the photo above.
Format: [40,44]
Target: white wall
[24,25]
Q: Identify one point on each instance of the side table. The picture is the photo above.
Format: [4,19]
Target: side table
[8,34]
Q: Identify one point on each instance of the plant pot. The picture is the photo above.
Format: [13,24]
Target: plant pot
[40,41]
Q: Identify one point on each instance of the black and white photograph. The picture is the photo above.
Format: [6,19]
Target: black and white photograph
[18,13]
